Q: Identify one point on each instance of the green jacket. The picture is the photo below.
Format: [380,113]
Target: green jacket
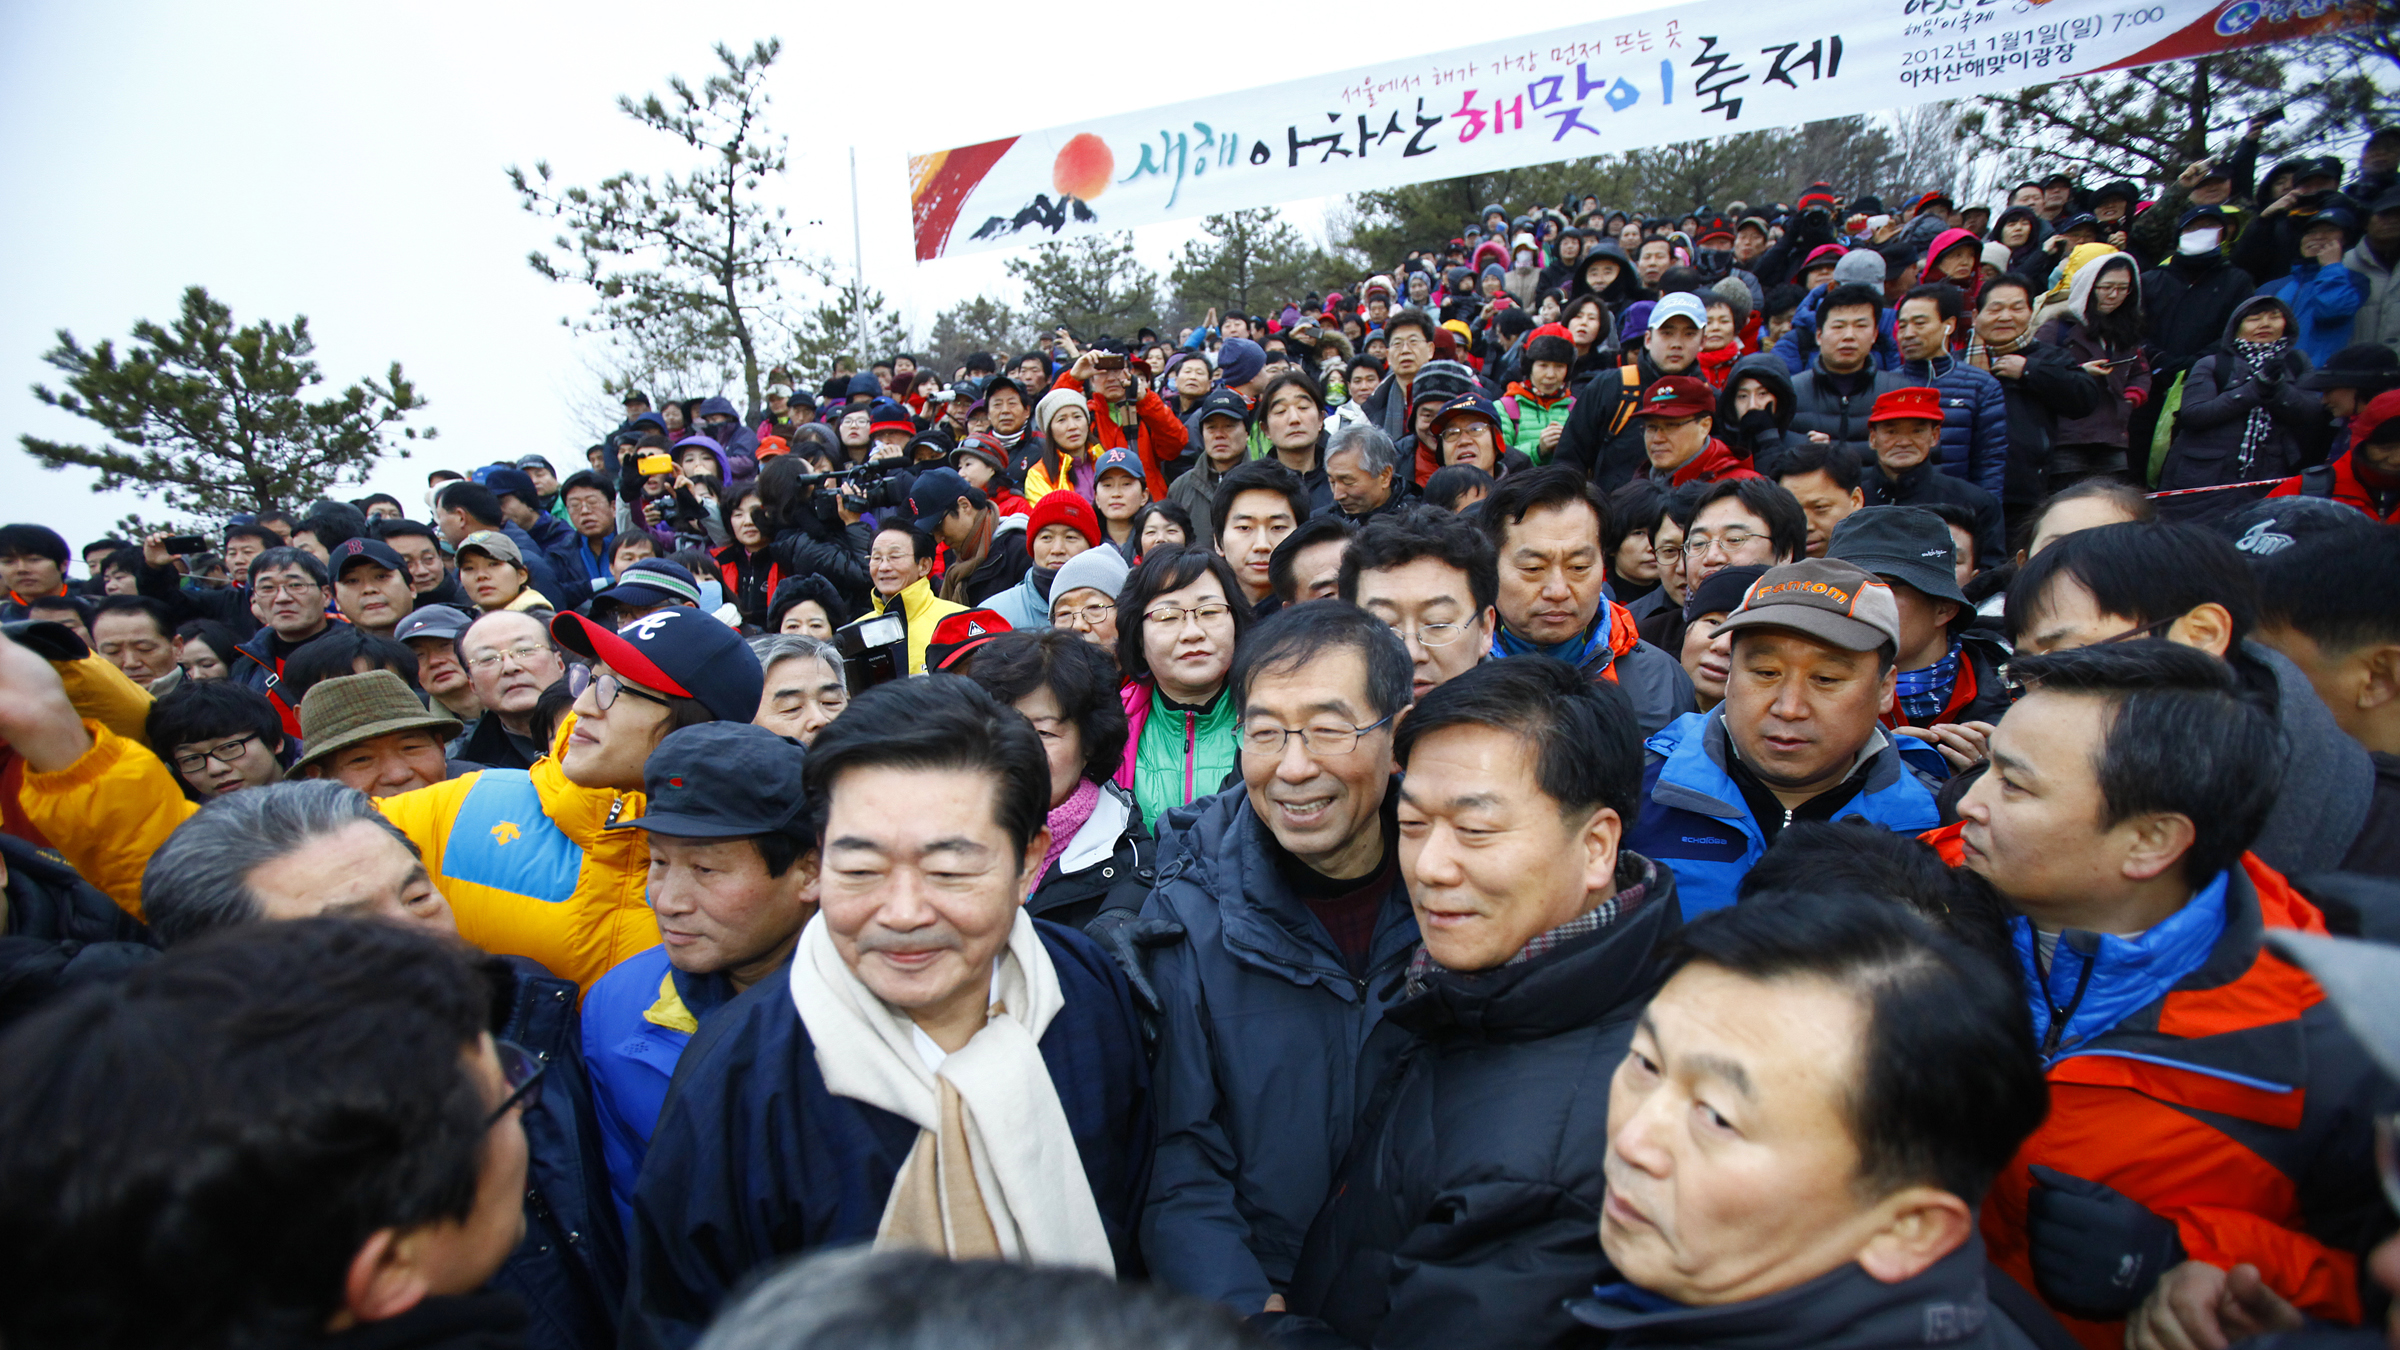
[1527,417]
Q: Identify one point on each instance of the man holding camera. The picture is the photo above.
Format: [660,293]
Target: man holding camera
[1126,412]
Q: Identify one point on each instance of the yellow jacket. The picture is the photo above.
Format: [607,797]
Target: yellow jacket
[523,856]
[922,609]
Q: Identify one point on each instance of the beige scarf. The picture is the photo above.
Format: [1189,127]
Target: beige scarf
[995,1171]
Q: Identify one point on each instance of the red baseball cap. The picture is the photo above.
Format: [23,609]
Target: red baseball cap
[958,635]
[1678,396]
[1921,403]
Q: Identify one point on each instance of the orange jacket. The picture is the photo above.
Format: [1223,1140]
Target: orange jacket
[2237,1106]
[1159,437]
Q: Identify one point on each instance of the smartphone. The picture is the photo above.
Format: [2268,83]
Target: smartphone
[2126,360]
[2270,117]
[184,543]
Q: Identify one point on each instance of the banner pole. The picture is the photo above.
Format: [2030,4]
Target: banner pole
[858,271]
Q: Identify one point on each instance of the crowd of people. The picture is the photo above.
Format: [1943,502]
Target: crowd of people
[1814,775]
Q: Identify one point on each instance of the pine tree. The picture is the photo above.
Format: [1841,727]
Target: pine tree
[216,419]
[1091,286]
[1251,262]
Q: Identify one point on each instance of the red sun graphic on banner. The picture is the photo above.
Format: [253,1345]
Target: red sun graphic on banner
[1083,166]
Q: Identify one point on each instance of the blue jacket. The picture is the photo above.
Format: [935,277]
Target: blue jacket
[636,1022]
[1258,1053]
[558,545]
[570,1267]
[754,1160]
[1689,800]
[2326,300]
[1974,420]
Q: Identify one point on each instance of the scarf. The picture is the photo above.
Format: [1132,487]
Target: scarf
[963,564]
[1715,366]
[1923,693]
[1635,874]
[1065,819]
[2258,424]
[1613,632]
[1980,353]
[995,1171]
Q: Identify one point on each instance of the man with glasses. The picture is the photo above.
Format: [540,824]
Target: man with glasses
[1296,930]
[1546,526]
[288,598]
[526,857]
[2207,1108]
[219,737]
[1743,522]
[1431,577]
[1814,649]
[1407,347]
[334,1084]
[1903,431]
[510,660]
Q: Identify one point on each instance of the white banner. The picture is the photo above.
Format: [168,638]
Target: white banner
[1666,75]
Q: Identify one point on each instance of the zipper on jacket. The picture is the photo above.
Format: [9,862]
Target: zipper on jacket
[1191,746]
[2059,1017]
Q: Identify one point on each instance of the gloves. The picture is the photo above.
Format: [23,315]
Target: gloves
[2096,1251]
[1123,933]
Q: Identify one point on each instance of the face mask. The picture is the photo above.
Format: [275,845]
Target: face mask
[2197,241]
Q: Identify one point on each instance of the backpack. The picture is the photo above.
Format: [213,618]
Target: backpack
[1631,373]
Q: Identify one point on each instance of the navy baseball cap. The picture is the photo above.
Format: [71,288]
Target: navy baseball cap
[722,780]
[654,581]
[434,621]
[1223,403]
[373,550]
[1119,458]
[510,481]
[934,495]
[674,651]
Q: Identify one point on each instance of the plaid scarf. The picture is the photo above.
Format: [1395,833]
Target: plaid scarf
[2258,424]
[1923,693]
[1980,354]
[1628,897]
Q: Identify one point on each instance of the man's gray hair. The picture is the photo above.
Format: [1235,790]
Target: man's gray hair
[199,880]
[859,1299]
[770,648]
[1376,452]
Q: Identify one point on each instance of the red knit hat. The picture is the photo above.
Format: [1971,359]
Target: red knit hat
[1064,506]
[1921,403]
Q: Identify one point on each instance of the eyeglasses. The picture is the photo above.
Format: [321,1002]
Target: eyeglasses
[1090,616]
[2112,288]
[1698,541]
[2146,631]
[1323,742]
[1433,634]
[522,1070]
[1174,618]
[524,655]
[1667,553]
[295,589]
[223,754]
[605,686]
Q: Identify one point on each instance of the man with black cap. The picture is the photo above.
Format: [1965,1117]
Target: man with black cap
[1011,412]
[733,876]
[523,504]
[647,586]
[2347,381]
[2191,296]
[2368,477]
[1221,428]
[370,585]
[1949,690]
[988,552]
[525,857]
[432,633]
[1814,646]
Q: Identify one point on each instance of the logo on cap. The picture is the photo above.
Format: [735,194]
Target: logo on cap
[647,627]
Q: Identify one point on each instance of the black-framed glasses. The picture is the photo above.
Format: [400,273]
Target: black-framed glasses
[522,1070]
[1321,741]
[605,686]
[2143,633]
[223,754]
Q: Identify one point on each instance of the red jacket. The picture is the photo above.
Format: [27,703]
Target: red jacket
[1715,463]
[1160,437]
[2237,1106]
[2338,481]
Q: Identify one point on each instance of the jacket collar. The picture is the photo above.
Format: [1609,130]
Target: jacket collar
[1697,748]
[1715,460]
[1097,839]
[1264,924]
[2097,980]
[1846,1308]
[1579,984]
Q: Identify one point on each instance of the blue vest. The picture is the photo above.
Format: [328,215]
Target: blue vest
[1694,819]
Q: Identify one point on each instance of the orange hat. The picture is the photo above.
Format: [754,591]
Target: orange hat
[1920,403]
[771,446]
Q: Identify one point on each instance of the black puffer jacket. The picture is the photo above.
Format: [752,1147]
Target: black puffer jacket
[61,931]
[1467,1211]
[2219,395]
[2050,389]
[2188,302]
[1818,405]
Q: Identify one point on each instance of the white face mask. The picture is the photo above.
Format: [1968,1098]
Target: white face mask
[2197,241]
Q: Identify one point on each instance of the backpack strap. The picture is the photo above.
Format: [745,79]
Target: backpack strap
[1632,376]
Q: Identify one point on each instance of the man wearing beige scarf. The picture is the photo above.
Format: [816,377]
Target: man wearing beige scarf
[936,1070]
